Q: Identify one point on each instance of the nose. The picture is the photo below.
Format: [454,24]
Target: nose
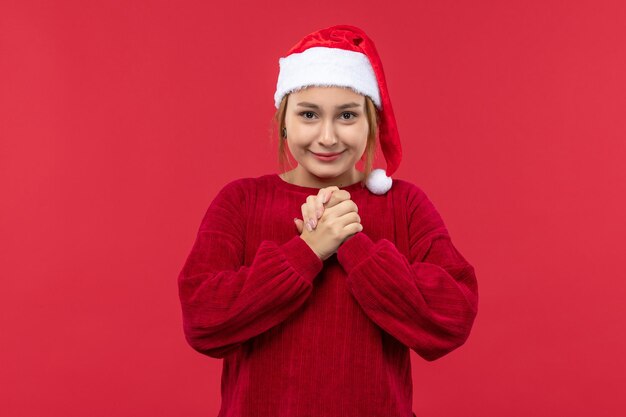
[328,137]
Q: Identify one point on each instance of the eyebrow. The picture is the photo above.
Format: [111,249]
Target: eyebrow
[315,106]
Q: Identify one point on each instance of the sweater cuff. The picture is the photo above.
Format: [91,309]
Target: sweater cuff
[302,258]
[355,250]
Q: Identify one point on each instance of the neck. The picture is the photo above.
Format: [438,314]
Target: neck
[300,176]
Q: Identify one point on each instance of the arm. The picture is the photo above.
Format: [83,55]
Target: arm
[429,301]
[225,303]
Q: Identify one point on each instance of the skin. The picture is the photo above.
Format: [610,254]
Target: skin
[326,129]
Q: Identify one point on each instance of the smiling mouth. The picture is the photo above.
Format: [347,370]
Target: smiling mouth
[327,157]
[326,154]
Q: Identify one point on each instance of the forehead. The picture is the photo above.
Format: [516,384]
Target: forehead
[327,94]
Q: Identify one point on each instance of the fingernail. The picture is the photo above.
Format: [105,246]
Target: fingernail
[308,226]
[314,222]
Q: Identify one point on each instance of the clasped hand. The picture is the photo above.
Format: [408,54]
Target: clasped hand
[329,219]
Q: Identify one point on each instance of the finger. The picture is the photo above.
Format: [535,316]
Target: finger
[336,197]
[311,216]
[319,202]
[322,198]
[327,192]
[305,216]
[299,225]
[353,228]
[349,218]
[342,207]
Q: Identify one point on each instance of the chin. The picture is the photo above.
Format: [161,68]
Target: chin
[328,174]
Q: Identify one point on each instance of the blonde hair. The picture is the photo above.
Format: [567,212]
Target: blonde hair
[373,117]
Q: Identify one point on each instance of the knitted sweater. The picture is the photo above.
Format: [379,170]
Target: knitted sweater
[302,337]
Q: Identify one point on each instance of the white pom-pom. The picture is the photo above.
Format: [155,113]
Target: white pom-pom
[378,182]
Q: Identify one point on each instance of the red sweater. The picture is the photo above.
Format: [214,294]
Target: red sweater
[304,337]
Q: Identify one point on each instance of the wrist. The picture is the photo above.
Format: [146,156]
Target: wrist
[312,247]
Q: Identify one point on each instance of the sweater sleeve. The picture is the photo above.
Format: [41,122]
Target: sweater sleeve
[225,303]
[428,301]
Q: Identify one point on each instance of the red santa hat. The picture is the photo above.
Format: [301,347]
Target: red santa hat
[344,56]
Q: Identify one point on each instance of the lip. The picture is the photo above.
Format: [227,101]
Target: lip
[327,156]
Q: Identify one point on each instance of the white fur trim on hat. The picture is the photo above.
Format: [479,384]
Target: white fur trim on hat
[378,182]
[324,66]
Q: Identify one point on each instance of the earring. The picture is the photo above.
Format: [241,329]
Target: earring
[284,132]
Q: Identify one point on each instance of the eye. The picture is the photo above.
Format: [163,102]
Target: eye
[306,112]
[348,113]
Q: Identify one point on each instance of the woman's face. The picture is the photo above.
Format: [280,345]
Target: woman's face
[324,120]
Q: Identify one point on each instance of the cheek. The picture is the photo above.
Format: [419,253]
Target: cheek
[299,139]
[302,132]
[357,135]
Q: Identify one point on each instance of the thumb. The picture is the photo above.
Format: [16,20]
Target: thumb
[299,224]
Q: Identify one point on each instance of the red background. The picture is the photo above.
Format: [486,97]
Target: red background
[121,120]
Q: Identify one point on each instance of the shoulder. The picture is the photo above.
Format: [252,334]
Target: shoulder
[245,189]
[232,195]
[420,208]
[250,183]
[237,187]
[412,193]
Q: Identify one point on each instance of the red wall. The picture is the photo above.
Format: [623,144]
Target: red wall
[119,121]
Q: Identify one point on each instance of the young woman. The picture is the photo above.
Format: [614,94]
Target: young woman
[313,285]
